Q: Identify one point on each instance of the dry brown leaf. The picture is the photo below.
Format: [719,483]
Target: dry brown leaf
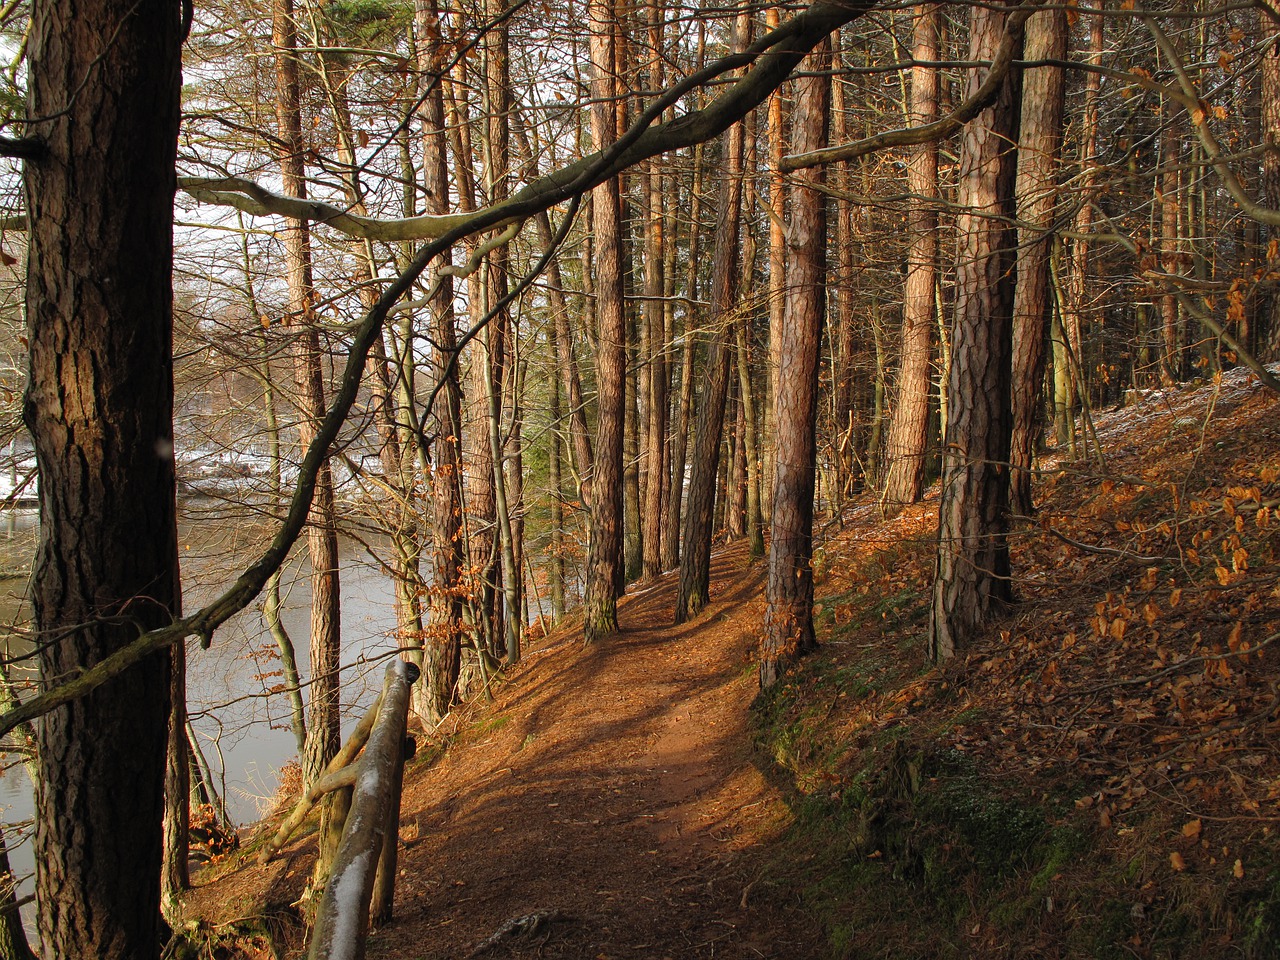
[1176,861]
[1192,829]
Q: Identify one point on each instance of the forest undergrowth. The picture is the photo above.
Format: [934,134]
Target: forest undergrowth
[1099,775]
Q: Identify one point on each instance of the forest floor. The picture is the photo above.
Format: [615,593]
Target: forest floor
[1098,776]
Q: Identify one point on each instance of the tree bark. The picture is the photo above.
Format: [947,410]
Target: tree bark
[1039,151]
[699,513]
[1270,121]
[176,875]
[973,554]
[323,728]
[909,426]
[442,645]
[788,619]
[604,555]
[99,406]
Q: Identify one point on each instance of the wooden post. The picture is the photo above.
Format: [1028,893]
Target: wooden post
[384,885]
[342,922]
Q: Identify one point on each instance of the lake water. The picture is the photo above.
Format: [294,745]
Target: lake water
[243,731]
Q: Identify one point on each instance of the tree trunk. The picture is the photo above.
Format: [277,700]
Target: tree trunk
[442,645]
[13,936]
[699,513]
[176,876]
[604,557]
[1270,122]
[909,426]
[777,273]
[684,407]
[1039,151]
[973,553]
[655,370]
[99,406]
[1170,243]
[323,728]
[788,619]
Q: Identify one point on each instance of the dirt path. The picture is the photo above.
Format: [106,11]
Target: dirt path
[612,793]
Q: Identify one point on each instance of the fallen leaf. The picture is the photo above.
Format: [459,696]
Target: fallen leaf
[1238,870]
[1192,829]
[1176,861]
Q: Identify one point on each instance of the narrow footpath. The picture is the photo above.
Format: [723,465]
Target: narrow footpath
[606,806]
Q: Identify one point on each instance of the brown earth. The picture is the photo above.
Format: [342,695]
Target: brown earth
[609,793]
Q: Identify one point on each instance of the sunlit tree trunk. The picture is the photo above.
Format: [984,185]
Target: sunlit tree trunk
[777,273]
[323,728]
[1039,150]
[1170,242]
[604,559]
[972,580]
[1269,18]
[654,339]
[788,619]
[909,424]
[99,408]
[441,647]
[679,441]
[699,513]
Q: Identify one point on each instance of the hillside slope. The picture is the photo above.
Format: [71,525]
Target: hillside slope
[1098,777]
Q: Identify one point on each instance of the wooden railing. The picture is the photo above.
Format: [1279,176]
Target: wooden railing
[362,875]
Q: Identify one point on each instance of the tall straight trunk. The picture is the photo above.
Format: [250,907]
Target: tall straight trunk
[788,619]
[632,443]
[699,515]
[735,507]
[1039,151]
[750,446]
[972,578]
[1269,20]
[1078,286]
[909,424]
[323,728]
[844,336]
[1170,244]
[777,273]
[604,555]
[684,406]
[99,408]
[499,336]
[655,370]
[442,644]
[555,483]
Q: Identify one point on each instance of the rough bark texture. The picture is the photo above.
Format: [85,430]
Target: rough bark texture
[973,553]
[323,727]
[1039,150]
[442,645]
[909,426]
[99,406]
[604,555]
[788,619]
[655,372]
[1167,196]
[1270,22]
[699,512]
[777,271]
[176,875]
